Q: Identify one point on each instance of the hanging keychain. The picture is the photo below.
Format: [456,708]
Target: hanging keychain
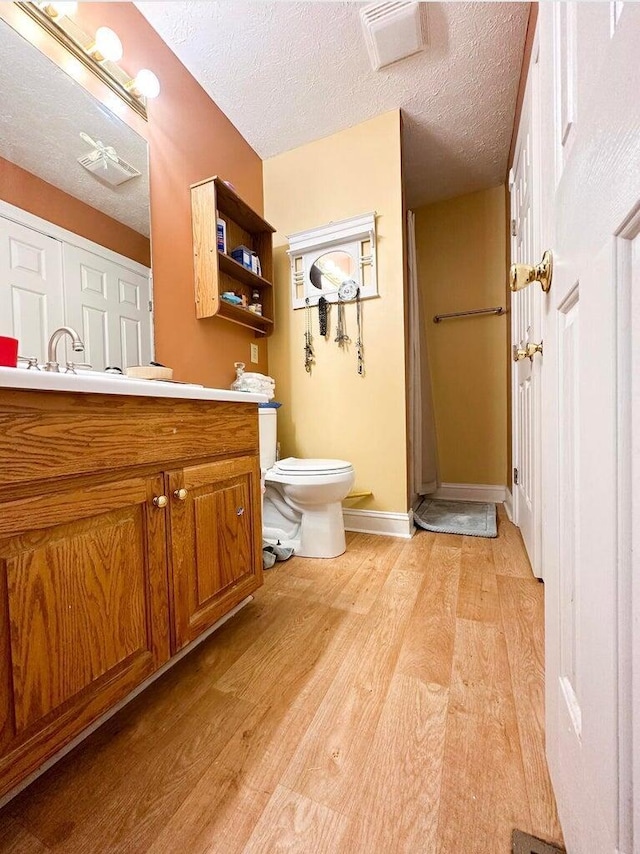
[359,344]
[309,357]
[346,291]
[341,339]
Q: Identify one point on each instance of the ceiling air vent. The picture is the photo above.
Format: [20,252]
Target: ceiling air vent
[111,170]
[393,30]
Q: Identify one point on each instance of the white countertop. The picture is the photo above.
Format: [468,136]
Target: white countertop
[94,382]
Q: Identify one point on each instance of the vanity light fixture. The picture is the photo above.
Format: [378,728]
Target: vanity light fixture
[145,83]
[106,46]
[59,9]
[99,54]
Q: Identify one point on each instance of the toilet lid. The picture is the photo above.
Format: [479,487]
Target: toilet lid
[293,465]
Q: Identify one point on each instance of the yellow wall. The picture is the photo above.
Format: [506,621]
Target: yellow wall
[333,412]
[461,265]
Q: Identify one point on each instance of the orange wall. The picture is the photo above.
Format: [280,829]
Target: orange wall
[190,139]
[27,191]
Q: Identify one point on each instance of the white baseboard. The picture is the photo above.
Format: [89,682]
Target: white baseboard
[379,522]
[508,503]
[471,492]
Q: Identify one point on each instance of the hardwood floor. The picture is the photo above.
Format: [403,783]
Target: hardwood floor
[390,700]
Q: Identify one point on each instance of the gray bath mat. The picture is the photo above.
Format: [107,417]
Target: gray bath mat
[522,843]
[457,517]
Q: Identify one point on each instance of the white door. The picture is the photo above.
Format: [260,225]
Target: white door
[108,303]
[526,323]
[31,295]
[590,92]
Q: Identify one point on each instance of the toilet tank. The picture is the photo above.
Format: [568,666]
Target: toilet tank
[268,432]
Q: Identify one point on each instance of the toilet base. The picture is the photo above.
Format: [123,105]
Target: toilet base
[320,532]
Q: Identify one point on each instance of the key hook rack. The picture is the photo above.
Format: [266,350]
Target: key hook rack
[323,259]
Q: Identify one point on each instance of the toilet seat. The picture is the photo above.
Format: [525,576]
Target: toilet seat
[295,467]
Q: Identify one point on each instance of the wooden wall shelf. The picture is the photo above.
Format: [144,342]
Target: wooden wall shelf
[232,268]
[215,271]
[237,314]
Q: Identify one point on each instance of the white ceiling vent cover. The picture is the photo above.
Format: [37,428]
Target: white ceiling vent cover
[392,31]
[110,171]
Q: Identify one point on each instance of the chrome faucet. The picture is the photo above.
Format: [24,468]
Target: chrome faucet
[52,358]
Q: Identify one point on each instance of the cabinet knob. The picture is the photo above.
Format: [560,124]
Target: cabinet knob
[180,494]
[160,501]
[240,511]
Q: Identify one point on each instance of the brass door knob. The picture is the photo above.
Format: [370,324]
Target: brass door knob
[522,275]
[180,494]
[160,501]
[526,351]
[532,349]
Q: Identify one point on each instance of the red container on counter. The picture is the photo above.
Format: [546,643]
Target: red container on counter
[8,352]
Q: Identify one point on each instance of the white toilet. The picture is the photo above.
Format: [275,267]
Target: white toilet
[302,501]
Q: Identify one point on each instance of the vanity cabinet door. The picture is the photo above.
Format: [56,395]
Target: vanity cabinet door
[216,542]
[83,612]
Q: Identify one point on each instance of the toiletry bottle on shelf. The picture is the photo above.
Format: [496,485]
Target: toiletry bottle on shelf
[256,305]
[221,234]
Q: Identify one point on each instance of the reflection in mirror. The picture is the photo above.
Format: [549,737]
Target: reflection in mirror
[74,215]
[43,113]
[330,270]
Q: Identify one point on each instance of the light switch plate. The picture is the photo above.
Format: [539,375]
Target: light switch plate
[254,354]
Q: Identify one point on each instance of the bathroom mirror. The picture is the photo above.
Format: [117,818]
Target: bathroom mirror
[43,113]
[324,258]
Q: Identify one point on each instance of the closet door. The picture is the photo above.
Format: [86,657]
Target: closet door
[108,303]
[31,291]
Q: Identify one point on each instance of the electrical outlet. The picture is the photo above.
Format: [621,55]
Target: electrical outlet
[254,354]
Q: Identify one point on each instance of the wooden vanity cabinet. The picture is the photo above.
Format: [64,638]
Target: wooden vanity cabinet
[83,609]
[128,527]
[216,541]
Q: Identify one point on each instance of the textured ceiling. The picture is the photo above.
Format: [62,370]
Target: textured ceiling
[286,73]
[42,111]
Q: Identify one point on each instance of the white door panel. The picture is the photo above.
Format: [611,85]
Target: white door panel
[526,326]
[109,306]
[131,342]
[31,294]
[590,167]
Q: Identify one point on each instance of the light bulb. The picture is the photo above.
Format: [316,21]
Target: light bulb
[107,45]
[147,83]
[60,9]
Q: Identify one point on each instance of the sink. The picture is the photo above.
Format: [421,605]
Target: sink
[98,382]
